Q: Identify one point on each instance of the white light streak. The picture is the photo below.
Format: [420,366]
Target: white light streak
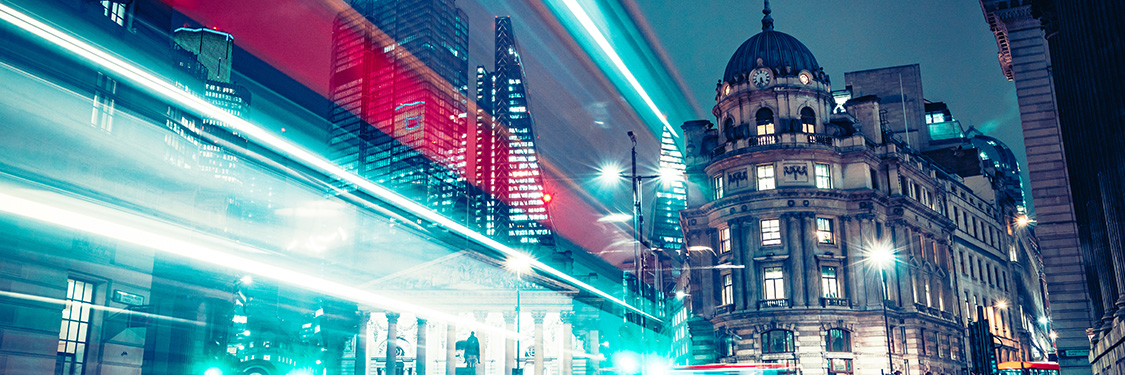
[149,81]
[604,44]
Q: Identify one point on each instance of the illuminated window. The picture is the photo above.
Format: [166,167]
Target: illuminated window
[115,10]
[824,230]
[830,285]
[823,176]
[728,290]
[718,186]
[75,327]
[102,116]
[766,177]
[724,240]
[771,232]
[777,341]
[764,119]
[838,340]
[774,283]
[839,366]
[808,120]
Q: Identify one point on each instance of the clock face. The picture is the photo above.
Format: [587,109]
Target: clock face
[726,89]
[805,78]
[761,78]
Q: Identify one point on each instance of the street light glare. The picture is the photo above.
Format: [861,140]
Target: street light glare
[520,264]
[1044,320]
[882,255]
[670,175]
[610,173]
[246,280]
[615,218]
[1002,304]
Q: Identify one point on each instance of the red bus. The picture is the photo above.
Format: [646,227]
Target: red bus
[1028,368]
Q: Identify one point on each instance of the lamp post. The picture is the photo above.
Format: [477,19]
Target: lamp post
[519,264]
[884,256]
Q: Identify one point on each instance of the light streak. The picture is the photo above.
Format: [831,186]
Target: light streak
[607,48]
[248,130]
[155,238]
[57,301]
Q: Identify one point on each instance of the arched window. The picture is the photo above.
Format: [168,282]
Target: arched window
[838,340]
[777,341]
[808,120]
[764,119]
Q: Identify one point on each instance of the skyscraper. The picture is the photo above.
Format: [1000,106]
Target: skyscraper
[507,164]
[399,84]
[671,197]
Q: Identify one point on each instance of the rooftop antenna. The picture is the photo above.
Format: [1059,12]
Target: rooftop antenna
[767,21]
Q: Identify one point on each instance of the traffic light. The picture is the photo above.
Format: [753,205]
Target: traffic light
[981,345]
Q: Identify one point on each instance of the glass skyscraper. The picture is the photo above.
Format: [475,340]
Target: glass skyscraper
[399,83]
[507,164]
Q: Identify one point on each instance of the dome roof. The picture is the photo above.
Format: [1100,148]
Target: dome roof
[776,49]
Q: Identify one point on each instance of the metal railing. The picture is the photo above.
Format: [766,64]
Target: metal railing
[773,303]
[835,302]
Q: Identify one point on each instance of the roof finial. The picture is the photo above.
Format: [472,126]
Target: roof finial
[767,21]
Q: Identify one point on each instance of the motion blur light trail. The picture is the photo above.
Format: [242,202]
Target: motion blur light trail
[282,147]
[30,205]
[92,306]
[582,17]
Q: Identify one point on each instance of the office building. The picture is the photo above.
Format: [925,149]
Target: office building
[399,84]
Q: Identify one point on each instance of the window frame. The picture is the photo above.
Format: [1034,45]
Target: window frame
[724,240]
[773,288]
[717,181]
[74,344]
[768,338]
[823,180]
[765,182]
[846,337]
[727,296]
[825,233]
[829,283]
[773,236]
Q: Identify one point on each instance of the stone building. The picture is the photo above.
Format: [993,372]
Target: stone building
[800,191]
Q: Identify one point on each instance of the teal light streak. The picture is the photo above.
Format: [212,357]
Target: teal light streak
[621,51]
[147,80]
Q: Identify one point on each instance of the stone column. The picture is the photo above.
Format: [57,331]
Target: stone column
[537,318]
[812,272]
[753,241]
[420,352]
[1110,188]
[847,269]
[361,357]
[509,342]
[737,279]
[392,344]
[873,285]
[450,348]
[796,259]
[595,343]
[567,318]
[902,268]
[482,338]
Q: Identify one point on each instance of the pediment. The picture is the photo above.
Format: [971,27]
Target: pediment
[464,271]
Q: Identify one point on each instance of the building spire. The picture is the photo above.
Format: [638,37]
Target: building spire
[767,21]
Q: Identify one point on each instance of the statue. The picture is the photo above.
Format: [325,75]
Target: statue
[472,350]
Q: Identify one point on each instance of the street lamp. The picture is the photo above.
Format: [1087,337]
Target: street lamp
[883,256]
[520,264]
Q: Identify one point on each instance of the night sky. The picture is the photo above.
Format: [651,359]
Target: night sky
[949,39]
[581,120]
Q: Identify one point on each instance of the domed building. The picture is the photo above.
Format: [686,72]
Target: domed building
[800,211]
